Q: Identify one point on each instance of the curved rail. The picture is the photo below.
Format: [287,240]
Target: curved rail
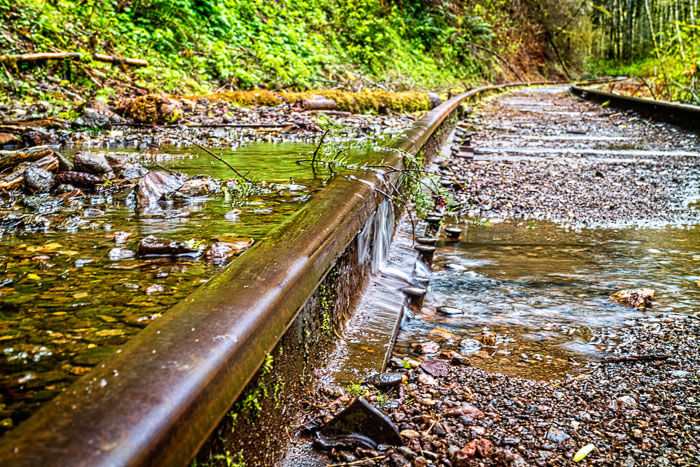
[156,400]
[687,116]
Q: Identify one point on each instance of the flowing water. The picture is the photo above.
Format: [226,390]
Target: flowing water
[530,294]
[65,305]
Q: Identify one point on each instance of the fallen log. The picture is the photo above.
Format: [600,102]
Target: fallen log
[62,55]
[48,123]
[15,178]
[13,158]
[318,104]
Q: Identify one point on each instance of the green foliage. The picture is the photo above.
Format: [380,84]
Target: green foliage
[656,40]
[253,397]
[326,308]
[355,389]
[194,45]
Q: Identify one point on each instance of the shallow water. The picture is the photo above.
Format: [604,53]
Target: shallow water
[539,288]
[64,305]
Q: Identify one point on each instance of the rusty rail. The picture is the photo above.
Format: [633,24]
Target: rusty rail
[684,115]
[156,400]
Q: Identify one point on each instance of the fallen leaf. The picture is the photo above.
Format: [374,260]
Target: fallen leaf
[583,452]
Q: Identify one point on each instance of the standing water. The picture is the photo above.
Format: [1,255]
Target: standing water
[74,292]
[530,295]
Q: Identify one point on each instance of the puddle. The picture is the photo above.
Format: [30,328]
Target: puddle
[65,305]
[539,289]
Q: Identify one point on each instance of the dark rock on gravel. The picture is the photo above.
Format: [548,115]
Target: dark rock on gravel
[360,417]
[385,380]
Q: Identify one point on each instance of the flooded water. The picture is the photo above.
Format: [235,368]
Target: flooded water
[529,294]
[65,304]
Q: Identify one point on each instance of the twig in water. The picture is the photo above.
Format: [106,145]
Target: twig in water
[318,148]
[213,155]
[166,169]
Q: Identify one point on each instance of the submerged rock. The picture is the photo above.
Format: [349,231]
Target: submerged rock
[426,347]
[199,187]
[636,298]
[469,346]
[154,246]
[219,251]
[117,253]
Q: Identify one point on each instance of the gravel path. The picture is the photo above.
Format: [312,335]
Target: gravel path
[543,154]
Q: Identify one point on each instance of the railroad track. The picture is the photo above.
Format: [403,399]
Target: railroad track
[162,395]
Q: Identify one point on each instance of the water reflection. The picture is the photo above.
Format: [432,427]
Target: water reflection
[540,289]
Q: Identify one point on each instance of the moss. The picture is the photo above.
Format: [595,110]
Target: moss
[356,102]
[368,101]
[154,108]
[259,97]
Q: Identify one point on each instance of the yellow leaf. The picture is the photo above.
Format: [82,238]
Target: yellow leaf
[80,295]
[583,452]
[52,246]
[34,277]
[68,252]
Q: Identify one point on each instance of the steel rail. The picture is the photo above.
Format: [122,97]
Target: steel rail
[156,400]
[684,115]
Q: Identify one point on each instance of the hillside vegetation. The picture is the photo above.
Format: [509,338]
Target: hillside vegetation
[202,46]
[196,46]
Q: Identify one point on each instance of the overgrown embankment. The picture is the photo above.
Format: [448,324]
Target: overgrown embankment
[199,46]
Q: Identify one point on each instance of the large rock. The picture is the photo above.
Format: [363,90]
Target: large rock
[92,163]
[153,108]
[37,180]
[153,186]
[434,100]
